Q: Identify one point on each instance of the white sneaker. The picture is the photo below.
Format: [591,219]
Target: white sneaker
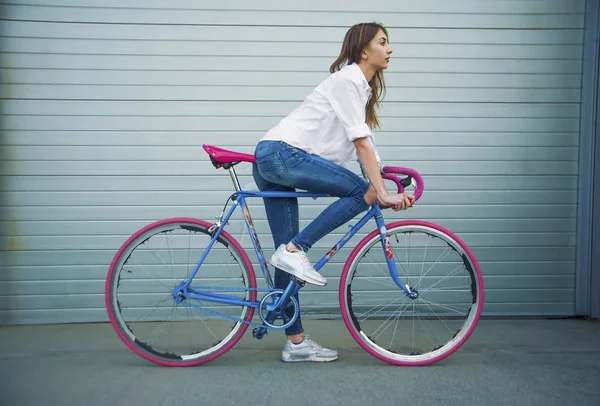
[307,350]
[297,264]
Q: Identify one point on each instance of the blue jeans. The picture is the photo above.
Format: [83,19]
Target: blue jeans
[284,168]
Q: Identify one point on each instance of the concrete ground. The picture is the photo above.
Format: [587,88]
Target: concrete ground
[505,362]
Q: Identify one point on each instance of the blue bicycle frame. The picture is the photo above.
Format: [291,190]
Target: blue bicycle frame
[239,199]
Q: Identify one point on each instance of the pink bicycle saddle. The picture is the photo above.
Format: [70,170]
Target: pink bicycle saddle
[225,156]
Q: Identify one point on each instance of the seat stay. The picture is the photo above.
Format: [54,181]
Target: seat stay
[215,236]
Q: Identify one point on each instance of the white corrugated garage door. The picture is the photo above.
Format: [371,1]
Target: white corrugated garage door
[105,105]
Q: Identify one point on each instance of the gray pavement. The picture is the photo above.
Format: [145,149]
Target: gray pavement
[505,362]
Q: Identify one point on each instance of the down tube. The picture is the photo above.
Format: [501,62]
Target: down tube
[353,230]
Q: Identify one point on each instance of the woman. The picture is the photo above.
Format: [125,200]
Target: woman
[308,150]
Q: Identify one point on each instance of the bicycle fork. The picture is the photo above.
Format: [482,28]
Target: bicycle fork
[389,257]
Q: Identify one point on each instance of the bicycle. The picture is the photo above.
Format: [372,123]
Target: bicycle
[155,281]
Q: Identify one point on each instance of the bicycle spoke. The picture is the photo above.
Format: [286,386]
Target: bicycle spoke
[170,258]
[383,271]
[155,255]
[399,265]
[412,341]
[189,270]
[372,279]
[438,260]
[372,311]
[154,308]
[188,313]
[426,325]
[454,272]
[160,327]
[443,322]
[209,330]
[395,330]
[150,276]
[385,305]
[466,289]
[407,237]
[424,258]
[388,323]
[462,313]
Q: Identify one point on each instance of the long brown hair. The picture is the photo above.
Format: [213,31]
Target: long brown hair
[356,40]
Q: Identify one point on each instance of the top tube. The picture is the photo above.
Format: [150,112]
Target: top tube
[247,193]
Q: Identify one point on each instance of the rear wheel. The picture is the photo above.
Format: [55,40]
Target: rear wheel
[145,312]
[434,263]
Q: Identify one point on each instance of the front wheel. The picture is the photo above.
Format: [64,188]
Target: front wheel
[398,329]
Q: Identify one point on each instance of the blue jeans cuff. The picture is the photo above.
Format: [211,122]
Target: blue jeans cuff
[294,331]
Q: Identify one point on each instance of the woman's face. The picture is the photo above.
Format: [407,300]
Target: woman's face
[378,51]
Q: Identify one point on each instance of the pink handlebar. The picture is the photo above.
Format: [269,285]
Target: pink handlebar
[388,171]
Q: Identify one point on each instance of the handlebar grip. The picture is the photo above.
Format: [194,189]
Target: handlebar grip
[389,172]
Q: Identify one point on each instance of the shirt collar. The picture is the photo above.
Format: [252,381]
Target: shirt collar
[358,74]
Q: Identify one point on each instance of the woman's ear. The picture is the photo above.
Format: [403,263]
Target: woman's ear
[364,55]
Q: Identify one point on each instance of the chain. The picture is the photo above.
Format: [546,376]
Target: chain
[236,319]
[235,289]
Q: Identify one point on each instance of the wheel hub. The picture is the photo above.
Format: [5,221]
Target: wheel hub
[412,294]
[178,294]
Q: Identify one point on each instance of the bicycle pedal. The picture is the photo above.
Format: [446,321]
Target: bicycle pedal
[259,332]
[299,281]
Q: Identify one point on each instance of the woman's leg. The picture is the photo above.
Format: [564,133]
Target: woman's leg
[297,169]
[280,167]
[282,215]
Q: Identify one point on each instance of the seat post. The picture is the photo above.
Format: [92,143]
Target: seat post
[234,179]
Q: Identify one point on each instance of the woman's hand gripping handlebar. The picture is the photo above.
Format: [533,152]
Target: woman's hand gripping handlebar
[412,178]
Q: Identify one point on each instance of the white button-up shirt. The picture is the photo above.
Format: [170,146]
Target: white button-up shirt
[330,118]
